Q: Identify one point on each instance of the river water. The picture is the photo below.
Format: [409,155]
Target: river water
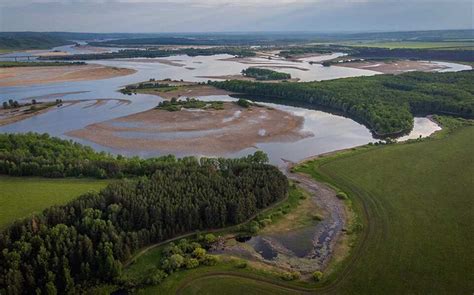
[329,132]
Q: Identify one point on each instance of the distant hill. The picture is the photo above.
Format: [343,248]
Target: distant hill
[30,40]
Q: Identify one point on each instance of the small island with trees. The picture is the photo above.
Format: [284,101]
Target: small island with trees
[265,74]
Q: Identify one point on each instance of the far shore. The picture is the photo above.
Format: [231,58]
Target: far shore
[392,67]
[21,76]
[25,111]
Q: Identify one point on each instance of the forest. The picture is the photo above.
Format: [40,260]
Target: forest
[382,53]
[410,53]
[152,53]
[265,74]
[69,248]
[33,154]
[29,40]
[386,104]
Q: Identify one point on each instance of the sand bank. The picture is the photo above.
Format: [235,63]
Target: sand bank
[393,67]
[244,78]
[19,76]
[9,116]
[208,132]
[183,89]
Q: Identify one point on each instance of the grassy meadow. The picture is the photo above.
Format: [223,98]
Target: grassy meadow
[417,206]
[419,214]
[22,196]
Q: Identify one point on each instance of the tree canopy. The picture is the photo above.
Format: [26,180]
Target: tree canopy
[386,104]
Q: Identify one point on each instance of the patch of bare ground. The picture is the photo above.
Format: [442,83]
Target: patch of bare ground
[244,78]
[393,67]
[155,60]
[184,89]
[9,116]
[298,58]
[20,76]
[205,131]
[51,53]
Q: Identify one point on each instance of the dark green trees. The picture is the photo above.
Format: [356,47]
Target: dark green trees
[68,248]
[265,74]
[384,103]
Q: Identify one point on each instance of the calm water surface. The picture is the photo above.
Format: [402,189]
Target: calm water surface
[329,132]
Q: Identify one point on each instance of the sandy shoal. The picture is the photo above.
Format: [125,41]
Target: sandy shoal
[10,116]
[393,67]
[209,132]
[19,76]
[186,90]
[244,78]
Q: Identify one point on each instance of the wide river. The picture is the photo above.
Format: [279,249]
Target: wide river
[329,132]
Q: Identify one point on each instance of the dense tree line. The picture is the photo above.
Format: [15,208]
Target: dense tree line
[265,74]
[152,53]
[410,53]
[302,50]
[34,154]
[383,53]
[384,103]
[71,247]
[30,40]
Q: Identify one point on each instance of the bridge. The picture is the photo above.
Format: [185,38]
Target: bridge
[18,58]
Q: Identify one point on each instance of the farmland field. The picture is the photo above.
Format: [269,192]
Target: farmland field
[22,196]
[416,195]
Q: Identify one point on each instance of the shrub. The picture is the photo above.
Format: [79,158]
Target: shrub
[286,276]
[317,217]
[210,239]
[317,276]
[156,277]
[199,253]
[243,103]
[209,260]
[191,263]
[241,264]
[254,227]
[342,195]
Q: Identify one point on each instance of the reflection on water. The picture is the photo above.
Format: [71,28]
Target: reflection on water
[330,132]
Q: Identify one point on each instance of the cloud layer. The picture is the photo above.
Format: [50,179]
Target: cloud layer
[226,15]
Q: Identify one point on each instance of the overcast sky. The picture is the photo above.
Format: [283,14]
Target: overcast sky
[241,15]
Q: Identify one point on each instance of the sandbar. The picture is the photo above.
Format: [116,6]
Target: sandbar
[201,131]
[393,67]
[19,76]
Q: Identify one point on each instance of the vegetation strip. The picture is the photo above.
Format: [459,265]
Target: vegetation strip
[386,104]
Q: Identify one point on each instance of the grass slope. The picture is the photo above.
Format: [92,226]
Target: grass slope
[22,196]
[420,207]
[418,210]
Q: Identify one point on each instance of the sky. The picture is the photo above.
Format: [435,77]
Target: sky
[155,16]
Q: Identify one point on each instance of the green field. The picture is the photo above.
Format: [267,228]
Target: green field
[416,200]
[22,196]
[420,213]
[414,44]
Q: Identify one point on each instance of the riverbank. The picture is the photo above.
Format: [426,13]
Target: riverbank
[26,111]
[21,76]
